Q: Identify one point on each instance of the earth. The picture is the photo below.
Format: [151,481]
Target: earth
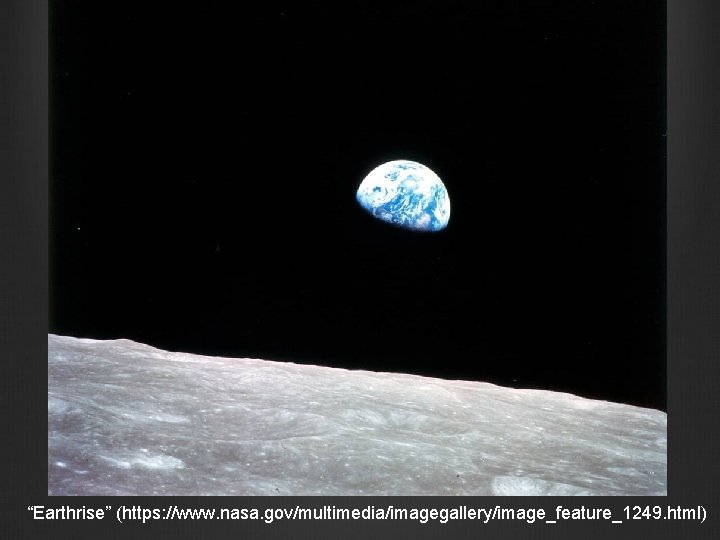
[406,194]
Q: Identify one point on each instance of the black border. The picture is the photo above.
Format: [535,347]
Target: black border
[693,300]
[24,261]
[693,292]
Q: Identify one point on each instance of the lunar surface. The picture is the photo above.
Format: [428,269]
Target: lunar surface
[128,419]
[406,194]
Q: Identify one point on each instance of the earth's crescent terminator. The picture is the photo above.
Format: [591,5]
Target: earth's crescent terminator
[406,194]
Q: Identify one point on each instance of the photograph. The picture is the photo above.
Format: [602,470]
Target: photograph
[399,248]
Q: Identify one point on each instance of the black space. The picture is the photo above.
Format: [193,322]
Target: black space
[205,158]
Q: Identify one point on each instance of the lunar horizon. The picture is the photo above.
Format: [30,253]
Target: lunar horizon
[128,419]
